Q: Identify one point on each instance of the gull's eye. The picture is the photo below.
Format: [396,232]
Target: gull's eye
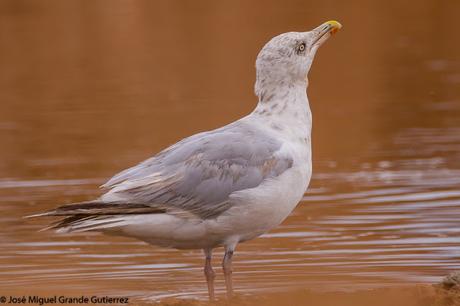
[300,48]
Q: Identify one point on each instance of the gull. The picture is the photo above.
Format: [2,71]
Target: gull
[225,186]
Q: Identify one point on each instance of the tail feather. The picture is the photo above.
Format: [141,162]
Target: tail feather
[93,223]
[101,208]
[94,215]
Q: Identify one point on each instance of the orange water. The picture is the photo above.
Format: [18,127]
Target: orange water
[90,88]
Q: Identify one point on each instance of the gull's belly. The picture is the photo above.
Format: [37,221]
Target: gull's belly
[258,210]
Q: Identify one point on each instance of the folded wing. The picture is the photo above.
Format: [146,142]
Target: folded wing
[199,173]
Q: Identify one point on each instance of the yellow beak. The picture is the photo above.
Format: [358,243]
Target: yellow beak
[334,26]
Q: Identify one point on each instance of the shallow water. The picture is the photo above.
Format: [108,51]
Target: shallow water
[89,89]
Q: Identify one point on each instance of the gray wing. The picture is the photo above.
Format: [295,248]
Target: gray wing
[199,173]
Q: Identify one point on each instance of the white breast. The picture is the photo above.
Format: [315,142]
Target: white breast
[258,210]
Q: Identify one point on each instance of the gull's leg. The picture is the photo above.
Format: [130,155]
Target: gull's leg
[209,273]
[227,266]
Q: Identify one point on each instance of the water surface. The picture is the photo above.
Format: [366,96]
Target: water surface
[88,89]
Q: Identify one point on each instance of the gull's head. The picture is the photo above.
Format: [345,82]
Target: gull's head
[287,58]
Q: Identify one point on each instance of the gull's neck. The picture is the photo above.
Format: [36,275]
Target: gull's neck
[285,106]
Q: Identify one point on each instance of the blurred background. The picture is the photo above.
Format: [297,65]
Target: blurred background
[88,88]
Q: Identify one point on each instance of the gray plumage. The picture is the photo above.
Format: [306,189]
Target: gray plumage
[200,172]
[196,175]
